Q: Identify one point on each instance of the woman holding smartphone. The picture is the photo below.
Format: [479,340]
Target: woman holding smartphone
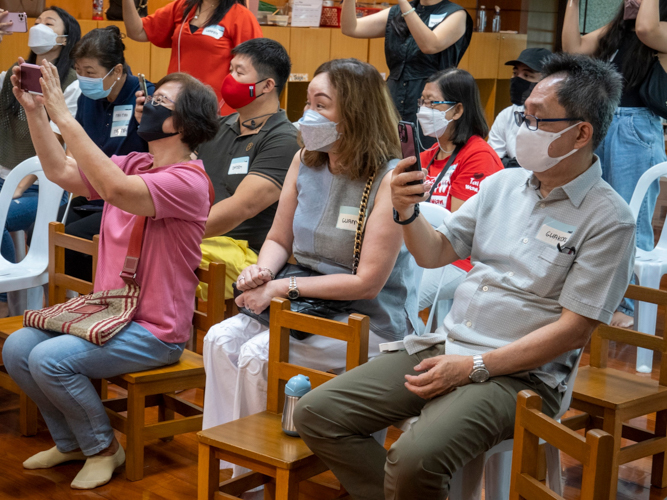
[106,113]
[53,37]
[317,221]
[420,38]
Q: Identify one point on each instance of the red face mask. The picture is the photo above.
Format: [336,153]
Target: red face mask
[237,94]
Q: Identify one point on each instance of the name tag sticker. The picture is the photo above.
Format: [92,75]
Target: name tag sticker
[239,165]
[435,19]
[348,218]
[121,120]
[214,31]
[554,232]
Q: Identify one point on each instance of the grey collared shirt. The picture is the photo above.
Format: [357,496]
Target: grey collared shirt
[521,279]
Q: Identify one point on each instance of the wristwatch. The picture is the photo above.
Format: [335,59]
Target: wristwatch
[293,292]
[407,221]
[479,372]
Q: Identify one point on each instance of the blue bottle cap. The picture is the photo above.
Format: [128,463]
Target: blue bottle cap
[297,386]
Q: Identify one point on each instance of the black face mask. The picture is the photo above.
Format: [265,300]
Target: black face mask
[152,119]
[520,89]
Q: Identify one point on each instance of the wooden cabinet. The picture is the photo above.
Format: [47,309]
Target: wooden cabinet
[510,47]
[159,63]
[308,49]
[280,35]
[482,61]
[344,46]
[376,56]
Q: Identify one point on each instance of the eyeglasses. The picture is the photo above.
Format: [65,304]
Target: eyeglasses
[159,100]
[533,123]
[431,104]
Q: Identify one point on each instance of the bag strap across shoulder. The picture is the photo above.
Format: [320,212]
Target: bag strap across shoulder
[129,272]
[361,222]
[452,157]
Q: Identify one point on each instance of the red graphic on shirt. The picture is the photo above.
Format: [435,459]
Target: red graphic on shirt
[476,161]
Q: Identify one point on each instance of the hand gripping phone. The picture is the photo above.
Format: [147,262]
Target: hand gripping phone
[142,85]
[19,22]
[30,75]
[410,147]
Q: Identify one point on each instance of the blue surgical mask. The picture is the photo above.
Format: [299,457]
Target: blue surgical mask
[93,88]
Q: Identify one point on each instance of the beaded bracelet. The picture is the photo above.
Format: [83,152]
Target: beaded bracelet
[408,12]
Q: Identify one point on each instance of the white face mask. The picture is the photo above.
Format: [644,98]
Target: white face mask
[433,121]
[42,39]
[318,132]
[532,148]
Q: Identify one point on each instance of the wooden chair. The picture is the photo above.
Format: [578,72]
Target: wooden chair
[610,397]
[28,411]
[257,442]
[146,388]
[594,452]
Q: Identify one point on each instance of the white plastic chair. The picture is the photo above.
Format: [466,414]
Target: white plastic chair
[31,272]
[650,267]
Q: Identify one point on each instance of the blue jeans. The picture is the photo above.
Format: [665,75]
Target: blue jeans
[21,215]
[634,143]
[55,369]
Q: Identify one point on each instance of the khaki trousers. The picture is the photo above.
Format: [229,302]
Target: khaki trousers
[337,419]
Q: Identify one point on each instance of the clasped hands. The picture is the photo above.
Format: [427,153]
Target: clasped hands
[52,99]
[258,288]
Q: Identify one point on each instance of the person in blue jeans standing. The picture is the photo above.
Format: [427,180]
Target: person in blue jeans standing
[635,141]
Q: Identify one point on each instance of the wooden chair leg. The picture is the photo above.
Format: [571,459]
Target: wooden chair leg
[134,461]
[164,414]
[659,468]
[27,415]
[614,426]
[101,386]
[208,473]
[287,488]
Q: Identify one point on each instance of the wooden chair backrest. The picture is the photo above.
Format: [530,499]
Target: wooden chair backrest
[595,452]
[604,333]
[60,282]
[282,319]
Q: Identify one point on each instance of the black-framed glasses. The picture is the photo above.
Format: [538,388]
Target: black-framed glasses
[430,104]
[533,122]
[159,100]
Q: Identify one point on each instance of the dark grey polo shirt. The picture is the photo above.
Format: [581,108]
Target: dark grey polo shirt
[230,157]
[521,281]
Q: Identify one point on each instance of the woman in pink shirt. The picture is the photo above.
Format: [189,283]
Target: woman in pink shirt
[55,369]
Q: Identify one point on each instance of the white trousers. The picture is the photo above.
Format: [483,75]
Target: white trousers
[236,355]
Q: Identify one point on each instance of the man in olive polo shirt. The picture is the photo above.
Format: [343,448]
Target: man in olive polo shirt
[249,157]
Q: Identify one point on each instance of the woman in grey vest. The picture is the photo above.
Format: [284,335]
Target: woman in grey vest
[349,134]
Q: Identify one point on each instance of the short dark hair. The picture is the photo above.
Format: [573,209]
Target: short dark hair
[105,45]
[195,111]
[591,89]
[268,57]
[459,86]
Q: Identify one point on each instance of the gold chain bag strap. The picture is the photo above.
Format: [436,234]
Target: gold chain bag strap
[361,222]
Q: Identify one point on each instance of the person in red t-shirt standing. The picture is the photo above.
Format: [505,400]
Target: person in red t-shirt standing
[450,110]
[201,34]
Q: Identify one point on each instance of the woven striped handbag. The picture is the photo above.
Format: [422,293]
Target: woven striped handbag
[98,316]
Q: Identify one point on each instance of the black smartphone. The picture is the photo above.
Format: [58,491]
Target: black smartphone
[142,85]
[407,133]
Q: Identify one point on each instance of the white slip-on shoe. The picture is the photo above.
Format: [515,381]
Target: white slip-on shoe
[98,470]
[51,458]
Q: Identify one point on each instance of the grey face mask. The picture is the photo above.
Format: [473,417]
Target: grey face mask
[318,132]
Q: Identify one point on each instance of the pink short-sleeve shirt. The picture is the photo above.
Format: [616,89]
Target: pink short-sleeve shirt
[170,252]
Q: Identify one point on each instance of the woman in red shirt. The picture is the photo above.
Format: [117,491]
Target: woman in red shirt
[201,34]
[450,110]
